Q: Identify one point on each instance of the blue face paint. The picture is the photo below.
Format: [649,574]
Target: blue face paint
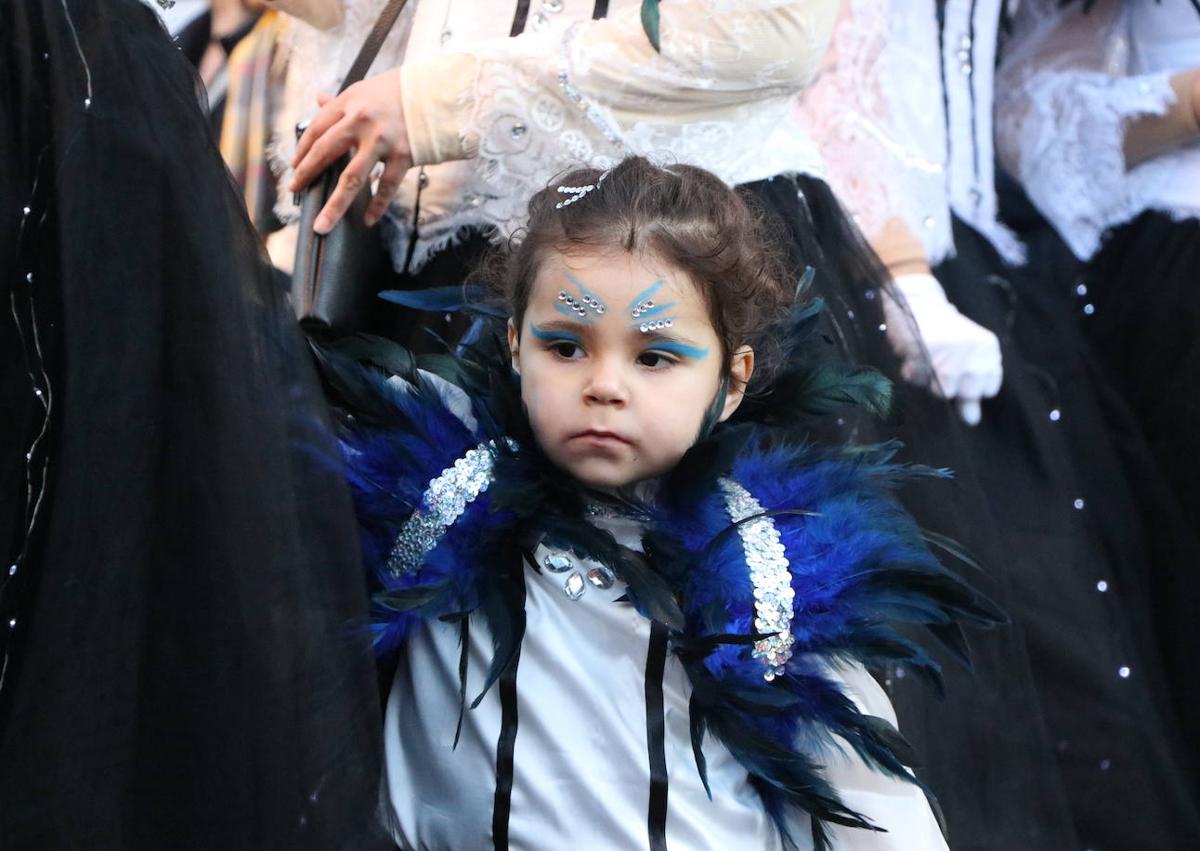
[554,335]
[636,307]
[588,302]
[680,349]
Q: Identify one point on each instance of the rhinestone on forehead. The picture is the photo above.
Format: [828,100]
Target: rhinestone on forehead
[445,499]
[770,575]
[586,303]
[642,306]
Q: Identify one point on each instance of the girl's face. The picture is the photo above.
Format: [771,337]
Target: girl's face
[619,364]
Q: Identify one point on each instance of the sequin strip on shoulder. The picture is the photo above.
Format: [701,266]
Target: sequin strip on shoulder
[443,502]
[769,573]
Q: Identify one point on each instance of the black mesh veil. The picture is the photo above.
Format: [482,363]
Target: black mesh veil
[183,652]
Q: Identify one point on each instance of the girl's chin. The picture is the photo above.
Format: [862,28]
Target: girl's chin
[603,475]
[609,477]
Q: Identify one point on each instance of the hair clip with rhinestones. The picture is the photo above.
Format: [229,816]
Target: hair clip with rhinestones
[577,192]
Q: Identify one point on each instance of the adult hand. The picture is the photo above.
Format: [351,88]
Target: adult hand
[964,356]
[367,119]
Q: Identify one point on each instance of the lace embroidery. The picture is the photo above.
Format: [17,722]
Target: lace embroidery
[1061,117]
[878,112]
[880,129]
[543,103]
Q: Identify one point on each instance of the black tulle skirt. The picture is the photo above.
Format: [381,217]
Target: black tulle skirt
[986,750]
[184,663]
[1137,304]
[1071,493]
[1046,743]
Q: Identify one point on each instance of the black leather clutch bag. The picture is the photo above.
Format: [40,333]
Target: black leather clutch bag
[337,276]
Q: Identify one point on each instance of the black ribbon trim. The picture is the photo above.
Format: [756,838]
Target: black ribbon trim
[974,106]
[656,662]
[465,638]
[502,803]
[519,17]
[600,9]
[941,23]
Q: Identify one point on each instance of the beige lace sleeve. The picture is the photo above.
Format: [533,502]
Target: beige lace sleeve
[718,59]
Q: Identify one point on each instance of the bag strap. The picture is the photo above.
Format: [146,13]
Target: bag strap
[370,48]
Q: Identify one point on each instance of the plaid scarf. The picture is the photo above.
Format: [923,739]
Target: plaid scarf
[255,81]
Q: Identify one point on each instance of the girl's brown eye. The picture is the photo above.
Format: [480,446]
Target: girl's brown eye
[566,349]
[655,360]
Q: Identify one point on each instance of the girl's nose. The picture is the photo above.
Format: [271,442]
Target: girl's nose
[606,384]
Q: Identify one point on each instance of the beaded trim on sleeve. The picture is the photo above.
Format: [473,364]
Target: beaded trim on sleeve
[589,110]
[444,501]
[769,573]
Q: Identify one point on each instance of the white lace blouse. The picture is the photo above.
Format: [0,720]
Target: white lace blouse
[493,118]
[1069,85]
[902,113]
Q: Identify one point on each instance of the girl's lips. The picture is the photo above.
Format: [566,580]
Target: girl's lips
[602,438]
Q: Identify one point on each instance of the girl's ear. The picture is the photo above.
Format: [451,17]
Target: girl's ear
[741,367]
[514,347]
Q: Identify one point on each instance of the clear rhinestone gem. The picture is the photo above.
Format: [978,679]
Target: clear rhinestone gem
[557,563]
[574,586]
[601,577]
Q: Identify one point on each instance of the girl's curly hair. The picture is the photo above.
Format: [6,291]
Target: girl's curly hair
[682,215]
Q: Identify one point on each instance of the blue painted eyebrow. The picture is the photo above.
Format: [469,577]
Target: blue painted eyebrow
[582,289]
[543,334]
[646,293]
[681,349]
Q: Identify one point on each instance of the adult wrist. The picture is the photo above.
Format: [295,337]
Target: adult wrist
[435,106]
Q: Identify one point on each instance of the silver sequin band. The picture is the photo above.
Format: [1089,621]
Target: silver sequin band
[770,574]
[443,502]
[589,110]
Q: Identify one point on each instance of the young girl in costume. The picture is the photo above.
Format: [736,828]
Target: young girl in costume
[633,603]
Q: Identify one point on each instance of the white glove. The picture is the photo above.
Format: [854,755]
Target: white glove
[964,356]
